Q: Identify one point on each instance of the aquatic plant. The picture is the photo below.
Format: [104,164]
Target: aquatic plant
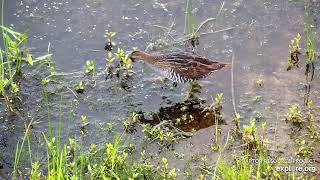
[310,43]
[124,60]
[191,31]
[164,137]
[90,68]
[166,173]
[109,44]
[304,148]
[11,62]
[130,123]
[127,64]
[260,82]
[295,115]
[236,119]
[80,87]
[218,99]
[109,126]
[68,160]
[12,58]
[294,52]
[251,137]
[109,60]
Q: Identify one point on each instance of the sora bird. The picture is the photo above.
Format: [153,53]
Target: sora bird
[180,67]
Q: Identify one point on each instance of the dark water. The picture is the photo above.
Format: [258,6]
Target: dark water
[259,38]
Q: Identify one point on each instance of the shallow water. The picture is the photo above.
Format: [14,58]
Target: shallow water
[74,29]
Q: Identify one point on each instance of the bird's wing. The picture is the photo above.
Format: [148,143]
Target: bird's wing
[188,70]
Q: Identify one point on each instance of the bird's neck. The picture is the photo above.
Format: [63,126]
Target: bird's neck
[146,57]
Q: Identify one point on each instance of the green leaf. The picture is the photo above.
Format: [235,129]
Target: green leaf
[29,59]
[44,57]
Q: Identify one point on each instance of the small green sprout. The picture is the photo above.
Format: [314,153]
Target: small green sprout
[29,59]
[83,119]
[109,60]
[84,124]
[52,71]
[127,64]
[109,44]
[90,67]
[15,88]
[257,98]
[218,98]
[260,82]
[249,134]
[236,119]
[120,54]
[45,80]
[80,87]
[110,126]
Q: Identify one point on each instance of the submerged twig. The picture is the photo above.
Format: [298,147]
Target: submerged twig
[72,92]
[222,30]
[204,23]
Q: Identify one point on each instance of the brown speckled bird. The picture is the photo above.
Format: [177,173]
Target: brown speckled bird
[180,67]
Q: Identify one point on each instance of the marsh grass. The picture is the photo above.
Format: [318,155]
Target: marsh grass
[191,30]
[67,159]
[310,42]
[13,55]
[253,163]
